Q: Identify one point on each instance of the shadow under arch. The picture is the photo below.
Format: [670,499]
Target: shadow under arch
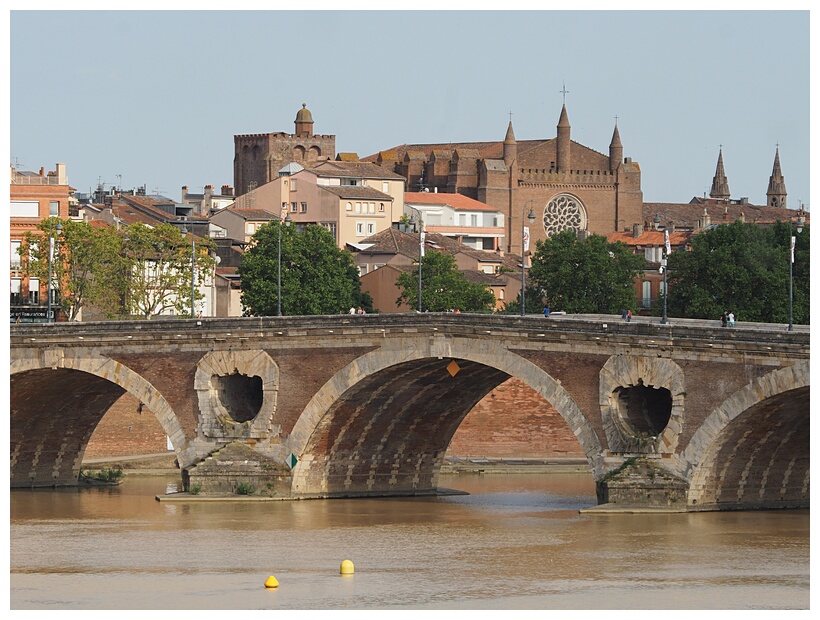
[382,424]
[753,450]
[57,402]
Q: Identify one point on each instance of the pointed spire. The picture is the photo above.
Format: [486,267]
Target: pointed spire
[510,137]
[616,150]
[616,138]
[720,184]
[776,194]
[563,121]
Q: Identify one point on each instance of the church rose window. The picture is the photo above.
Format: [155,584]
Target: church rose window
[564,212]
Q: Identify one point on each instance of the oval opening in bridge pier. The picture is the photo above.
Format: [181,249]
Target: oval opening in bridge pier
[240,394]
[645,408]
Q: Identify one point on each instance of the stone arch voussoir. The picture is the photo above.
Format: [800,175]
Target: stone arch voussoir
[410,349]
[131,381]
[776,382]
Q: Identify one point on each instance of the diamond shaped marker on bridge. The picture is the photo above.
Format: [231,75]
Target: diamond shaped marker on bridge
[453,368]
[291,460]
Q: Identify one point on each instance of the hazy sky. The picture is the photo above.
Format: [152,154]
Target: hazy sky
[154,98]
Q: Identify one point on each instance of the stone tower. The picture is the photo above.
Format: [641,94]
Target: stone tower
[259,157]
[776,194]
[720,184]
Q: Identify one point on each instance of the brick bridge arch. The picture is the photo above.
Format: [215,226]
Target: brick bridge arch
[81,389]
[754,448]
[362,428]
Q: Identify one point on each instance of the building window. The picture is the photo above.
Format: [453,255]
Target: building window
[54,208]
[564,212]
[15,255]
[251,228]
[358,207]
[473,220]
[292,185]
[294,207]
[362,269]
[304,207]
[381,207]
[378,266]
[372,208]
[371,228]
[34,290]
[349,206]
[25,208]
[501,294]
[646,302]
[15,291]
[385,187]
[360,229]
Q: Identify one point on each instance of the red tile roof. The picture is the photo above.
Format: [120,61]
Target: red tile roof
[459,202]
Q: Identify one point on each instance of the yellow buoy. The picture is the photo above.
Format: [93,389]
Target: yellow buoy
[346,568]
[271,582]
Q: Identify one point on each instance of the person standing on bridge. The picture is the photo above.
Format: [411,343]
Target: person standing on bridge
[724,319]
[731,319]
[629,316]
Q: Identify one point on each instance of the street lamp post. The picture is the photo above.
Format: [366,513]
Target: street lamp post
[531,218]
[793,239]
[287,221]
[664,259]
[421,246]
[193,273]
[59,229]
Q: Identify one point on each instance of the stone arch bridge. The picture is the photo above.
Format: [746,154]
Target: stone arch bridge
[682,414]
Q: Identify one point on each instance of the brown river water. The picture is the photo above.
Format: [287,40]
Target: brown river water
[515,542]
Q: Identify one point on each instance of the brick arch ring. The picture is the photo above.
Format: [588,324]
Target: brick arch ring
[411,349]
[130,381]
[629,370]
[693,463]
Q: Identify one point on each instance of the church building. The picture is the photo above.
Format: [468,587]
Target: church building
[565,184]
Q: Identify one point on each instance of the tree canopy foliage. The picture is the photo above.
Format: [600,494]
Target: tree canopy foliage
[743,268]
[317,276]
[83,261]
[443,287]
[158,269]
[140,270]
[585,276]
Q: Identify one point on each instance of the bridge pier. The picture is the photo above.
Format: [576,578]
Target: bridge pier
[640,482]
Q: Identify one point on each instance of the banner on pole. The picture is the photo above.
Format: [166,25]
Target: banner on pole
[793,240]
[526,239]
[422,237]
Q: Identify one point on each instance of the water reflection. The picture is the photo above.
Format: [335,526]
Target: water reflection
[514,542]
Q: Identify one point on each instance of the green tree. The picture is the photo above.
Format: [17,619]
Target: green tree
[317,276]
[157,269]
[84,262]
[533,298]
[586,276]
[443,287]
[743,268]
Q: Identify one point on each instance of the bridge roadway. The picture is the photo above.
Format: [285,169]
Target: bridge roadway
[687,415]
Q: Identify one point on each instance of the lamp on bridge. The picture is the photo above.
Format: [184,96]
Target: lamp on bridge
[287,221]
[421,245]
[800,221]
[49,287]
[525,246]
